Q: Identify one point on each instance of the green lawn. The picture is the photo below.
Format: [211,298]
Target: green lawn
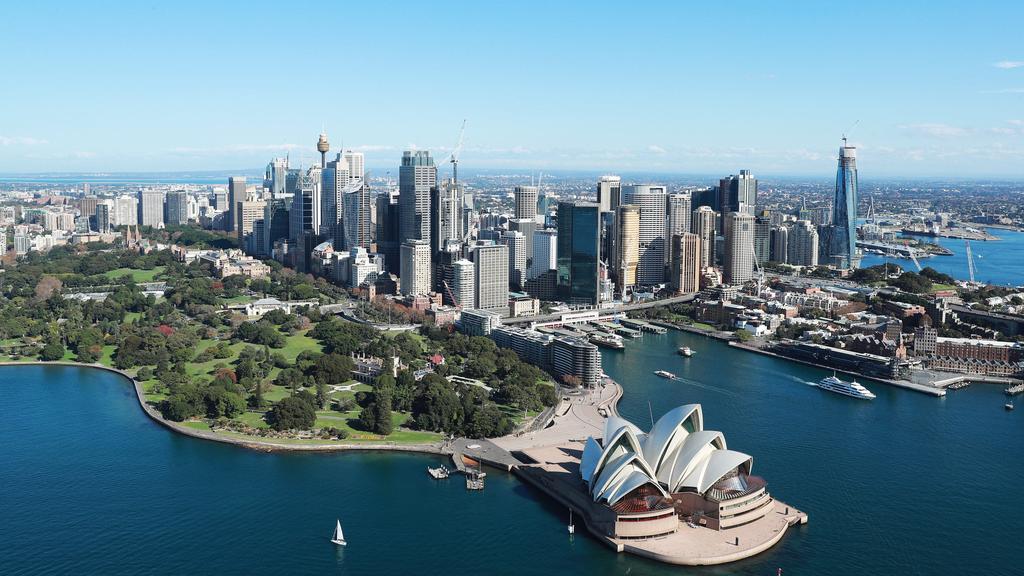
[137,275]
[107,356]
[297,344]
[938,287]
[703,326]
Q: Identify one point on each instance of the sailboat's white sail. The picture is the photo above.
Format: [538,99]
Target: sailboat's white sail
[339,536]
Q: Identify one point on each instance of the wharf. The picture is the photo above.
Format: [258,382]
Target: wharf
[923,388]
[641,326]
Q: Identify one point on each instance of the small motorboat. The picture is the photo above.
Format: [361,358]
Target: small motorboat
[1008,405]
[686,351]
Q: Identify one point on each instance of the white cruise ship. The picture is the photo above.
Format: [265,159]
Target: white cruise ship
[854,389]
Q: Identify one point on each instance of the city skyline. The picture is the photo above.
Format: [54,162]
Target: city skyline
[919,104]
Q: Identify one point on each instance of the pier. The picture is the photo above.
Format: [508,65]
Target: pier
[642,326]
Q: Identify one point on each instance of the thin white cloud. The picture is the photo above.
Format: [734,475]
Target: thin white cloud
[935,130]
[235,149]
[1009,64]
[656,149]
[21,141]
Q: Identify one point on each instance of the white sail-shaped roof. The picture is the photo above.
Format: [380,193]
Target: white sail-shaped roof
[697,448]
[677,455]
[670,431]
[588,462]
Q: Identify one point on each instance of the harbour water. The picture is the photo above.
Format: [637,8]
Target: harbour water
[904,484]
[995,262]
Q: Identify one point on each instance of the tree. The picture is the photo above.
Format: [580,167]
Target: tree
[321,395]
[54,350]
[293,412]
[332,369]
[46,287]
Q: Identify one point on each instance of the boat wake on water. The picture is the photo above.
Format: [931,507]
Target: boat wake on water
[706,387]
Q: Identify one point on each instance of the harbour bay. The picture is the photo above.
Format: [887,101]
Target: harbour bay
[888,484]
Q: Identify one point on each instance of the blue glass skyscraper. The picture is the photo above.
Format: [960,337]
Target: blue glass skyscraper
[579,252]
[843,245]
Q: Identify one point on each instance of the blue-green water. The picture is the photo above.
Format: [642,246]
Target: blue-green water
[995,262]
[906,484]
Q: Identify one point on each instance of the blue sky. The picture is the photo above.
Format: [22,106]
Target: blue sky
[937,87]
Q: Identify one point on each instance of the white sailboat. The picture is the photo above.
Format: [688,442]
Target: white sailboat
[339,536]
[572,527]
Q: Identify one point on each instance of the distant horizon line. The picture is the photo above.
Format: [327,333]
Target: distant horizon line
[14,177]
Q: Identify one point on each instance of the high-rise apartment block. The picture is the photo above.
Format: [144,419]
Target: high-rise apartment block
[738,264]
[686,253]
[415,265]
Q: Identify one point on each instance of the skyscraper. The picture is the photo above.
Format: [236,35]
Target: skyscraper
[491,272]
[802,246]
[275,177]
[685,275]
[177,208]
[249,211]
[526,202]
[305,212]
[738,193]
[275,223]
[446,213]
[416,177]
[341,178]
[579,237]
[780,244]
[762,239]
[609,193]
[545,252]
[652,201]
[626,255]
[677,212]
[414,278]
[236,193]
[704,227]
[463,284]
[843,241]
[387,229]
[102,220]
[151,208]
[738,264]
[517,258]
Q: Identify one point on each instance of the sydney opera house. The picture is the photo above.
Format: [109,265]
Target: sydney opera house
[677,471]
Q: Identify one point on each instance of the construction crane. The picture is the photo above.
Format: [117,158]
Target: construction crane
[451,295]
[453,159]
[970,260]
[760,271]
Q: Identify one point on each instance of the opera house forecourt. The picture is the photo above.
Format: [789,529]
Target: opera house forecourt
[676,494]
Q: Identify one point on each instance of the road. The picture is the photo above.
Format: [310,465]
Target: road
[614,310]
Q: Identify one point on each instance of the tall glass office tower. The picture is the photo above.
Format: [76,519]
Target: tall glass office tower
[843,246]
[578,255]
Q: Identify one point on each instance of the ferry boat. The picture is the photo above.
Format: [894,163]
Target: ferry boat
[852,389]
[608,341]
[664,374]
[686,351]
